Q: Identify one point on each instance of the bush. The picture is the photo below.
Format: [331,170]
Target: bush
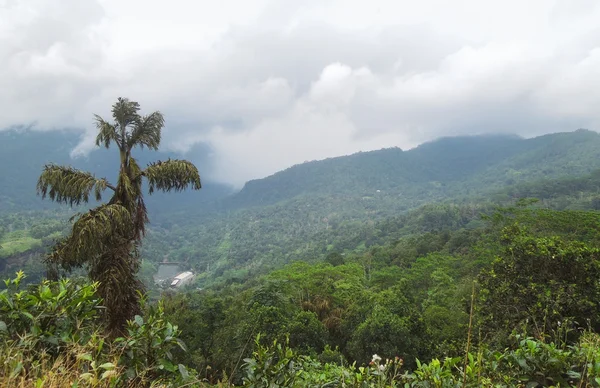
[51,335]
[531,363]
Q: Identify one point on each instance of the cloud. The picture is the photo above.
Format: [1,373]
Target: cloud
[260,85]
[51,61]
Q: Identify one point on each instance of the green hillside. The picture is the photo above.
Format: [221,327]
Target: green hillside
[445,168]
[341,204]
[312,209]
[342,261]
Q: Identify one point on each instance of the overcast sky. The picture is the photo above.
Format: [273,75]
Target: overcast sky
[260,85]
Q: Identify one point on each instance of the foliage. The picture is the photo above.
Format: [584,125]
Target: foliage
[539,284]
[532,363]
[317,208]
[409,298]
[339,271]
[147,348]
[107,238]
[50,336]
[278,365]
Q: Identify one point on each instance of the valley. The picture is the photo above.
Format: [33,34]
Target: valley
[381,252]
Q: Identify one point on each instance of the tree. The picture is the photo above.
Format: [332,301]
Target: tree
[106,239]
[539,283]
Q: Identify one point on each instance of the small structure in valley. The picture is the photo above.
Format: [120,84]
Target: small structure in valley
[182,279]
[166,273]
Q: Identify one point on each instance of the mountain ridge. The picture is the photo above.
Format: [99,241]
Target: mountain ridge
[313,208]
[434,170]
[445,161]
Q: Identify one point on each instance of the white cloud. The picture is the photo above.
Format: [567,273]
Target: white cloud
[267,84]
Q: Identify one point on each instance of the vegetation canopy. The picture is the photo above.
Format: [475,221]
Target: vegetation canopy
[107,238]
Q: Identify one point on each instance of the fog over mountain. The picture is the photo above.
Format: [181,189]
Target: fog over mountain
[253,87]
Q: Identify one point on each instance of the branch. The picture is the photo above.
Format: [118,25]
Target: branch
[93,234]
[172,174]
[68,185]
[147,131]
[106,133]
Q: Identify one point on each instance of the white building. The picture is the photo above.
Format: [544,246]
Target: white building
[182,279]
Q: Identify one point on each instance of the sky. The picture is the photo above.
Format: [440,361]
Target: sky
[252,87]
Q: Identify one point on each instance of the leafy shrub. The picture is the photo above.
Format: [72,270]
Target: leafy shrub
[278,365]
[51,335]
[146,350]
[531,363]
[50,314]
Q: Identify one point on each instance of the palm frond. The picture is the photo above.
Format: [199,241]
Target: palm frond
[69,185]
[173,174]
[146,131]
[106,133]
[125,112]
[94,233]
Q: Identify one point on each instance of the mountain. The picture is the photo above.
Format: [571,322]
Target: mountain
[23,154]
[441,169]
[312,209]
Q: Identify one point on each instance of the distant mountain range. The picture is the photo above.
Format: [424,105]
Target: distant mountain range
[313,208]
[441,169]
[23,154]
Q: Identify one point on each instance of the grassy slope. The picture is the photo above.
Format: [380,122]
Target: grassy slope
[17,242]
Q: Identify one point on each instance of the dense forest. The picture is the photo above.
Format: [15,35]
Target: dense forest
[469,261]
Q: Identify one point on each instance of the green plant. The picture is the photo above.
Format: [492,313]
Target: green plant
[107,239]
[146,350]
[50,314]
[50,336]
[272,366]
[535,362]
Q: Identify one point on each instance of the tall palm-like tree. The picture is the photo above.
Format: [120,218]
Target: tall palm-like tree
[106,239]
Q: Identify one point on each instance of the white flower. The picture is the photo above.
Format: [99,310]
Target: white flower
[382,367]
[376,359]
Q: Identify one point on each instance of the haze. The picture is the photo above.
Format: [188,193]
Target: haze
[251,87]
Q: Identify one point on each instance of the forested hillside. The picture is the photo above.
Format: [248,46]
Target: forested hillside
[364,270]
[340,204]
[309,210]
[445,168]
[508,299]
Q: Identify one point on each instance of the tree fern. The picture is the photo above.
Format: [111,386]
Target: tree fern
[106,239]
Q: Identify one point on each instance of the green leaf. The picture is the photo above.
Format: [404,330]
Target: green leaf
[28,315]
[107,366]
[17,370]
[183,371]
[108,373]
[166,365]
[139,320]
[85,356]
